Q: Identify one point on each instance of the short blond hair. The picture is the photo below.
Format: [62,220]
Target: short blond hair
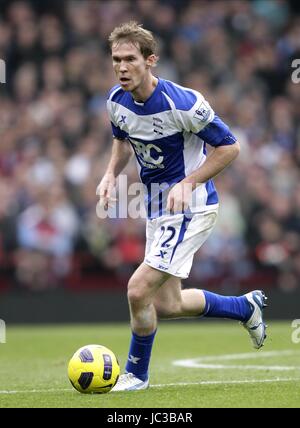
[134,33]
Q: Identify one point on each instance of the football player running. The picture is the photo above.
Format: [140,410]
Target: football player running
[167,127]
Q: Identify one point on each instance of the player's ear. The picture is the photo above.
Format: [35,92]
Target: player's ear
[151,60]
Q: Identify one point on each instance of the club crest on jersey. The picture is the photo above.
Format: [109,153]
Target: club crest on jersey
[202,112]
[157,125]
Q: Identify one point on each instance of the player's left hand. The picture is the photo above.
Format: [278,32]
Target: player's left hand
[179,197]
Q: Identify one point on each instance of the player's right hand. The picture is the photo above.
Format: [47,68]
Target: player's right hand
[105,190]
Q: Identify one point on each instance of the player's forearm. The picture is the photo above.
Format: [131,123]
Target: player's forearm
[219,159]
[120,156]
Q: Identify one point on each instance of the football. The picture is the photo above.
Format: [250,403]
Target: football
[93,369]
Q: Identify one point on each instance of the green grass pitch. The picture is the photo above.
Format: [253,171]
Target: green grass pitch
[194,364]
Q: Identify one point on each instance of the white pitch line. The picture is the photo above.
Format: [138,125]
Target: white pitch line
[35,391]
[197,365]
[226,382]
[249,355]
[165,385]
[201,362]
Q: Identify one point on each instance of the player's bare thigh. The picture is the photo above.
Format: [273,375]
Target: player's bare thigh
[152,286]
[144,284]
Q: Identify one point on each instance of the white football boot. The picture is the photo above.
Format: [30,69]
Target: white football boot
[129,382]
[255,324]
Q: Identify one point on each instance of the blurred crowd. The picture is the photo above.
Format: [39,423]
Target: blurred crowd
[55,136]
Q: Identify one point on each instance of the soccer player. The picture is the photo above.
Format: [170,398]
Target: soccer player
[167,127]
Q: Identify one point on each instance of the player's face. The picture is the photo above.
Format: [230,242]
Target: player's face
[130,66]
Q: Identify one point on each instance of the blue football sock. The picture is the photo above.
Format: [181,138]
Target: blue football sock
[139,355]
[236,308]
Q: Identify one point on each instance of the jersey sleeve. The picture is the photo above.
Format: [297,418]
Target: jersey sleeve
[116,131]
[202,121]
[217,133]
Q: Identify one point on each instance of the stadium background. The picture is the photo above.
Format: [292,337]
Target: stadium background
[58,262]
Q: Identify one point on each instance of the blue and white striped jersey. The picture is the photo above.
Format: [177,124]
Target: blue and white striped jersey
[168,133]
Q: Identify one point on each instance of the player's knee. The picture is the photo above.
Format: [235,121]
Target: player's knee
[136,292]
[134,296]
